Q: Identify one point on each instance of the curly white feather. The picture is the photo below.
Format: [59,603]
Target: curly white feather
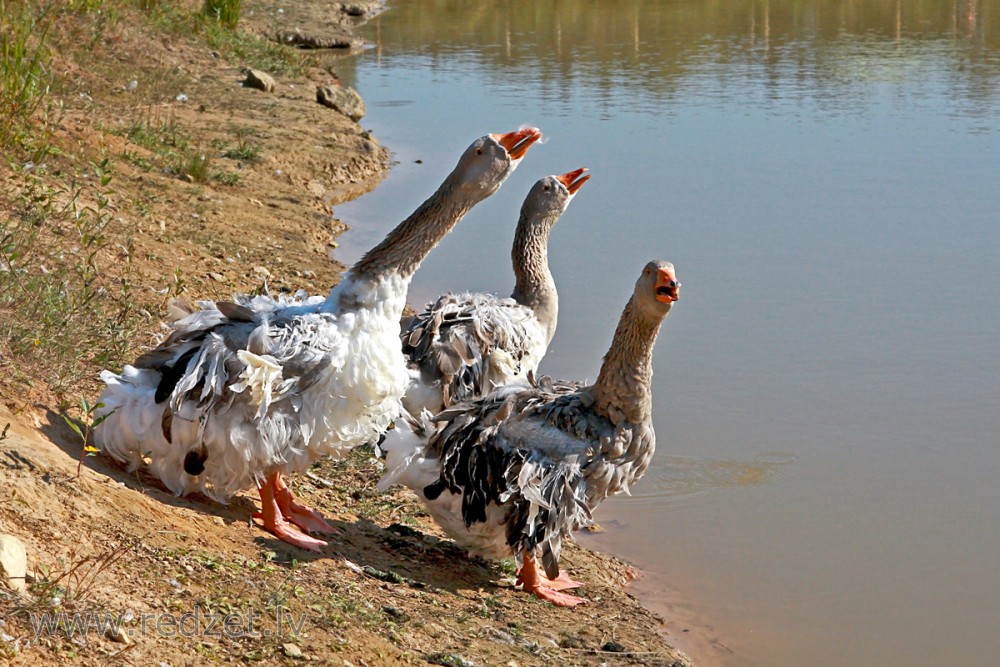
[316,383]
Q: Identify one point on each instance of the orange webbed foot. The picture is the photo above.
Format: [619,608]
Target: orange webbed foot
[547,589]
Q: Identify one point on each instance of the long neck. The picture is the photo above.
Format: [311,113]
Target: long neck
[405,247]
[533,284]
[623,390]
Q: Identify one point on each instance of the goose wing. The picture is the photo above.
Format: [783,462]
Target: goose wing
[467,343]
[535,449]
[224,348]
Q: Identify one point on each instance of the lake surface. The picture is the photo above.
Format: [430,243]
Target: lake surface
[826,178]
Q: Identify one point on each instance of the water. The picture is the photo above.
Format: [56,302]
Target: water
[826,177]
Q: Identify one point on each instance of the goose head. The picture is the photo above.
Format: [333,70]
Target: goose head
[487,163]
[657,288]
[549,196]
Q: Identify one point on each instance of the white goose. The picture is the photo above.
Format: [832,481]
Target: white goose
[241,393]
[519,470]
[465,345]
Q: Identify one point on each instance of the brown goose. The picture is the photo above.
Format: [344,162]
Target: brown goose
[465,345]
[242,393]
[518,471]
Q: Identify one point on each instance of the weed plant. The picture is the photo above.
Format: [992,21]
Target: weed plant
[25,74]
[226,12]
[66,302]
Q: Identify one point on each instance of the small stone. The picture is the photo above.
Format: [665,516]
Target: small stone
[572,642]
[435,630]
[499,636]
[613,647]
[262,272]
[395,613]
[343,40]
[292,650]
[342,99]
[14,563]
[181,98]
[449,660]
[218,277]
[118,634]
[259,80]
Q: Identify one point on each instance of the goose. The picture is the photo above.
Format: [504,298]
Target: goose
[244,392]
[516,472]
[462,346]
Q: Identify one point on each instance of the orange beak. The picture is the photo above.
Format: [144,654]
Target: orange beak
[517,143]
[572,180]
[667,287]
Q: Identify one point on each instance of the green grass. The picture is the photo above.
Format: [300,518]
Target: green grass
[195,167]
[230,178]
[25,74]
[243,152]
[249,50]
[226,12]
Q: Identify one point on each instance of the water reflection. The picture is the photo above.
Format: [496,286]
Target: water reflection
[833,52]
[684,482]
[824,176]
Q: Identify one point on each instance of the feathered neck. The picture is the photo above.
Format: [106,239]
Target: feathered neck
[623,391]
[406,246]
[533,283]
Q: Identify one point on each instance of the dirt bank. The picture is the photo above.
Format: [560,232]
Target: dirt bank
[139,97]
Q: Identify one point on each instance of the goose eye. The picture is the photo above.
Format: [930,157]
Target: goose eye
[479,151]
[548,187]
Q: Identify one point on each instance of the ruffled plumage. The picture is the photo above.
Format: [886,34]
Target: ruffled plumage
[257,385]
[528,465]
[463,346]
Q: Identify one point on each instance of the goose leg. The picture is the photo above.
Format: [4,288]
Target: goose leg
[538,585]
[302,516]
[561,583]
[275,523]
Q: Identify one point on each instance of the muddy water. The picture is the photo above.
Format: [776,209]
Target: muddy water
[825,175]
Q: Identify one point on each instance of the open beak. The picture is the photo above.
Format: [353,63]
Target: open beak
[667,287]
[517,143]
[573,179]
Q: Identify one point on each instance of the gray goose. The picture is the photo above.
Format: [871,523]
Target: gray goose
[516,472]
[462,346]
[242,393]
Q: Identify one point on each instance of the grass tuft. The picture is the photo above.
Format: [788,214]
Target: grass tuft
[195,167]
[226,12]
[25,74]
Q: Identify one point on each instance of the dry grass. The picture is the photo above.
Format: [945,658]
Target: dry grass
[65,280]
